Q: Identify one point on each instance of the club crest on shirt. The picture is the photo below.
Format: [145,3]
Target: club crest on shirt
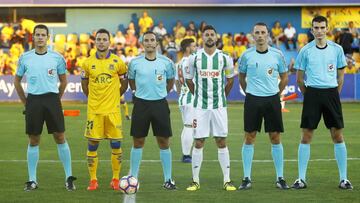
[51,72]
[187,69]
[270,71]
[93,67]
[331,67]
[111,67]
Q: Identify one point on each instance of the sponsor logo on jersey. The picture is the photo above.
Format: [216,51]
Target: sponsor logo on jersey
[103,78]
[209,73]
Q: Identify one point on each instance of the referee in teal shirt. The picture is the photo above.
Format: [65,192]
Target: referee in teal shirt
[43,69]
[322,62]
[260,67]
[151,76]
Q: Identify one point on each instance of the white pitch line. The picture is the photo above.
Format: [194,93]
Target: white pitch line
[155,161]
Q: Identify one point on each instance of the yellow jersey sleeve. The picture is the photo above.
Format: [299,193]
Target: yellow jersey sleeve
[85,70]
[122,68]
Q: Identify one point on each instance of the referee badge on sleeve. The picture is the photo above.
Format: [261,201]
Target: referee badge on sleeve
[331,68]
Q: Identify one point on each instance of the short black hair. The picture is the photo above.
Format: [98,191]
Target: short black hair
[102,30]
[185,43]
[41,26]
[209,27]
[262,24]
[152,33]
[319,19]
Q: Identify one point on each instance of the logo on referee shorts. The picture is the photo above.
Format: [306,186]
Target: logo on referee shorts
[331,67]
[51,72]
[270,71]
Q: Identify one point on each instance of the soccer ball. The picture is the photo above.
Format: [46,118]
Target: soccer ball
[129,184]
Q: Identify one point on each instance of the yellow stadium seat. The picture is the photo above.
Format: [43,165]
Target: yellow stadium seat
[72,38]
[84,38]
[60,38]
[302,38]
[84,49]
[59,43]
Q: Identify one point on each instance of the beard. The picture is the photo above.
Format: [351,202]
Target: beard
[210,44]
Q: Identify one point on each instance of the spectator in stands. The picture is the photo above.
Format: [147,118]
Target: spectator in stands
[192,27]
[277,34]
[239,48]
[120,53]
[228,46]
[345,40]
[130,56]
[178,38]
[160,30]
[16,49]
[133,49]
[119,38]
[7,32]
[244,40]
[350,68]
[190,35]
[28,27]
[145,23]
[131,28]
[201,27]
[118,47]
[11,64]
[179,30]
[3,58]
[353,30]
[172,49]
[290,36]
[226,38]
[130,38]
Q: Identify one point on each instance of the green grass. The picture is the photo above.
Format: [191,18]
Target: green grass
[322,176]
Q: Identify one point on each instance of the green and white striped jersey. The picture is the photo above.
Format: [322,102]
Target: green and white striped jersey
[208,74]
[185,97]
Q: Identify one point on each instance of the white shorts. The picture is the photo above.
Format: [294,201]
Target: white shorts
[187,115]
[210,122]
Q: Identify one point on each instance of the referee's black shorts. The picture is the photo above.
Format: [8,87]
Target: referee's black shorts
[44,108]
[256,108]
[156,113]
[319,102]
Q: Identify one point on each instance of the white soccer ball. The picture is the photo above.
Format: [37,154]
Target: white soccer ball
[129,184]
